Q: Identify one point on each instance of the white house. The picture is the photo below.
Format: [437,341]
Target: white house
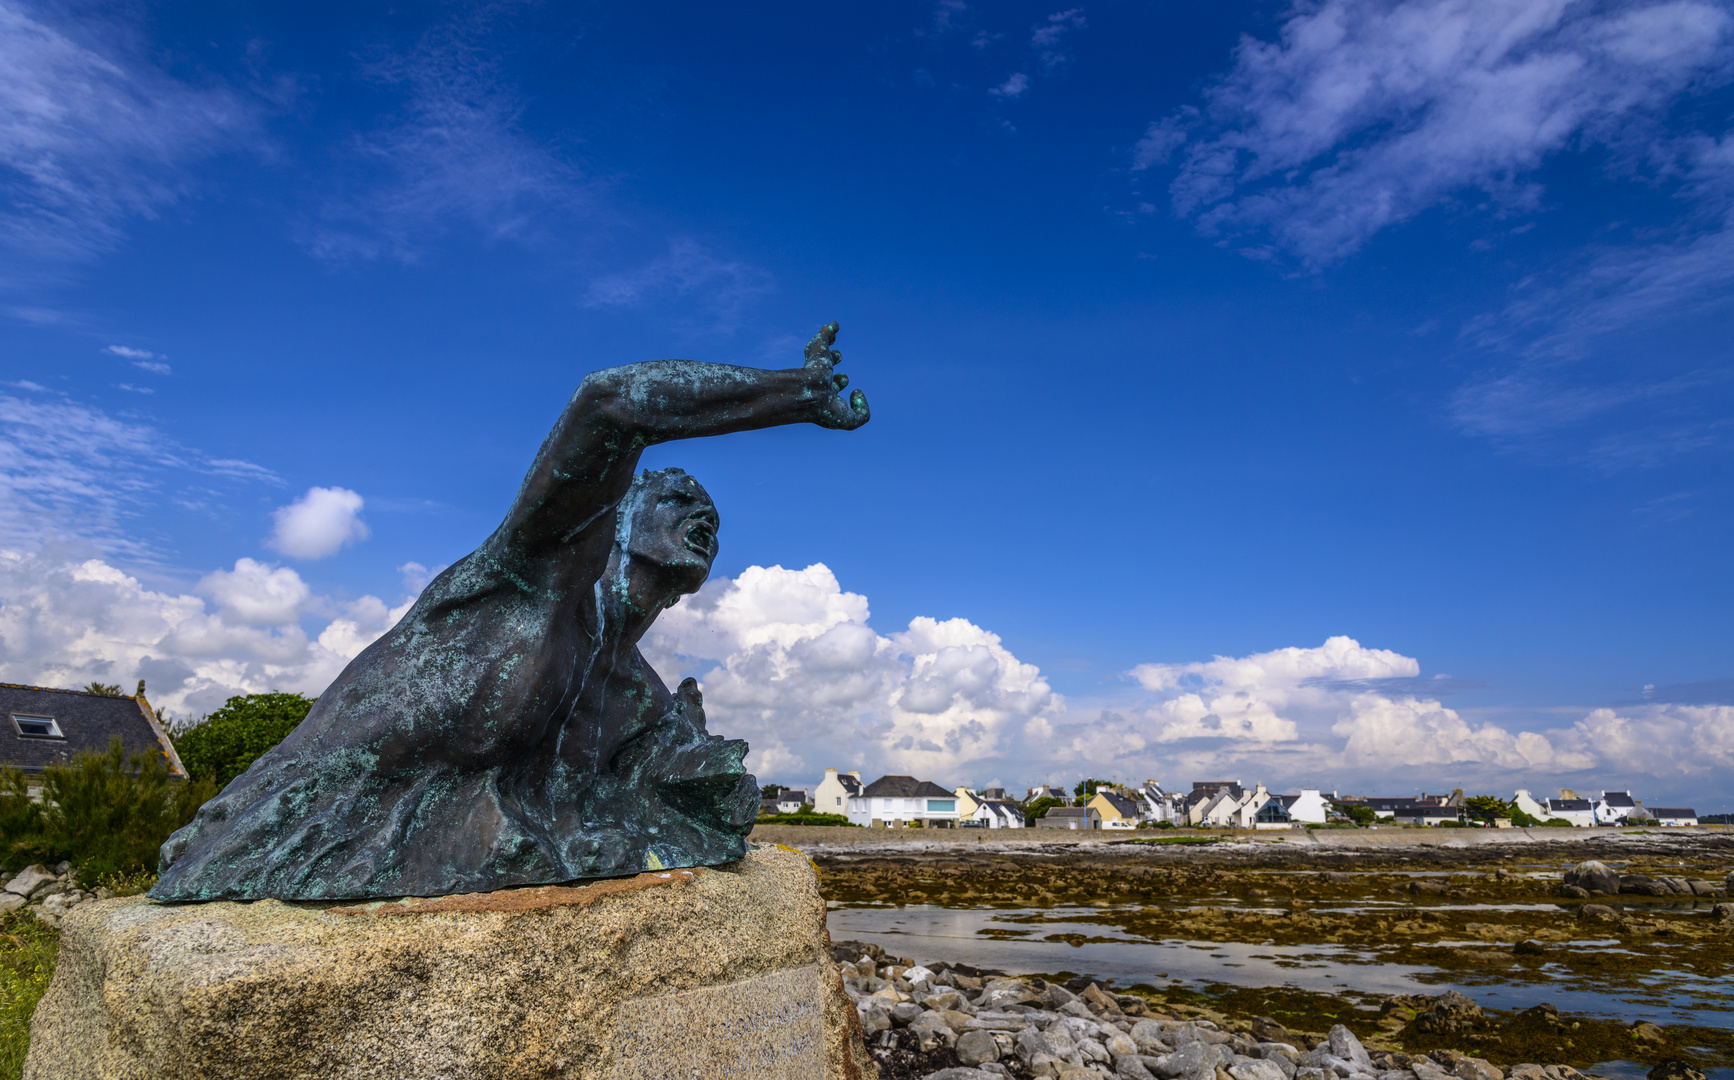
[1674,815]
[1568,807]
[1160,805]
[998,814]
[897,801]
[790,800]
[1047,791]
[1614,807]
[1307,808]
[834,792]
[1528,804]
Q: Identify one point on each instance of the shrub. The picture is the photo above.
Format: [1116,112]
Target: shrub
[806,817]
[1556,823]
[1039,808]
[1522,820]
[222,745]
[28,949]
[107,814]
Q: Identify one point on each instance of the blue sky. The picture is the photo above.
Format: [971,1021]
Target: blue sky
[1335,393]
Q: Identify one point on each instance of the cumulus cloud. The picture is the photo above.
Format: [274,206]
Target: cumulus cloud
[92,134]
[66,621]
[1014,86]
[319,523]
[789,661]
[1366,112]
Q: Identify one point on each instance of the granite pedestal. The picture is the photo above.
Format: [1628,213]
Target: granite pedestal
[695,974]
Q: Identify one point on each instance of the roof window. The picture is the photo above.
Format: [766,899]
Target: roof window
[36,727]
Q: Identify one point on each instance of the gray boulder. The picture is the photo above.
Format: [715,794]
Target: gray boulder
[29,880]
[905,1013]
[975,1047]
[1148,1035]
[1594,876]
[962,1074]
[1344,1045]
[1192,1060]
[1256,1069]
[1132,1067]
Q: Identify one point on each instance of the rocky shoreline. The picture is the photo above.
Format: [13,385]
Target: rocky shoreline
[46,892]
[952,1022]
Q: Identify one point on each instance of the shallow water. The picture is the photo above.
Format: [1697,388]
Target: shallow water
[1026,941]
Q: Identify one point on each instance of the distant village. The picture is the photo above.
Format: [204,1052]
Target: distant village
[897,802]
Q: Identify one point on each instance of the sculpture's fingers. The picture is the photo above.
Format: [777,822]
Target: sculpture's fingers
[840,382]
[858,410]
[820,347]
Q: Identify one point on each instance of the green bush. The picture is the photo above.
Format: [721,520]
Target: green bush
[1556,823]
[1522,820]
[805,817]
[1039,808]
[222,745]
[107,814]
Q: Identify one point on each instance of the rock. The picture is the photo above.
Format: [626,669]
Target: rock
[1148,1035]
[1529,947]
[961,1074]
[1596,911]
[1679,886]
[1427,1070]
[1120,1044]
[1193,1060]
[904,1012]
[1344,1045]
[918,974]
[1725,912]
[29,880]
[1594,876]
[1272,1051]
[1098,1001]
[1524,1072]
[1474,1068]
[1264,1029]
[612,979]
[12,902]
[1728,881]
[1648,1032]
[1451,1014]
[1336,877]
[1575,892]
[1256,1069]
[1030,1042]
[1132,1067]
[1314,1074]
[1428,888]
[873,1020]
[1700,887]
[1675,1069]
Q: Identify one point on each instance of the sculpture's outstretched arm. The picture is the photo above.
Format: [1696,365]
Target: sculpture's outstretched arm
[587,462]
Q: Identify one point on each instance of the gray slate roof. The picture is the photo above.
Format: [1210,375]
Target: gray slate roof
[905,787]
[1565,805]
[87,723]
[1673,811]
[1618,798]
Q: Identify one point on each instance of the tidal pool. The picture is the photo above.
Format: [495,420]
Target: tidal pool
[1087,941]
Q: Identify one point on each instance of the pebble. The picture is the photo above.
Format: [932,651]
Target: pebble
[1094,1035]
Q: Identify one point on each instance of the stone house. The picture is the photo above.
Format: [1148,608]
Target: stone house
[1070,817]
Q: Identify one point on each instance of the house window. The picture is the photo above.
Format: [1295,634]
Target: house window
[942,806]
[36,727]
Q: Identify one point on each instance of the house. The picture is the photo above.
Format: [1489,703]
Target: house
[967,801]
[1070,817]
[897,801]
[768,807]
[834,792]
[1522,800]
[1117,810]
[45,726]
[996,793]
[1207,797]
[1308,807]
[1222,809]
[1275,813]
[1431,814]
[1047,791]
[1161,805]
[1674,815]
[998,814]
[1614,807]
[790,800]
[1568,807]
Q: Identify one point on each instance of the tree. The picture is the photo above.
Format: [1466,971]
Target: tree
[103,689]
[222,745]
[1487,808]
[1523,820]
[771,791]
[1039,808]
[1086,788]
[1359,813]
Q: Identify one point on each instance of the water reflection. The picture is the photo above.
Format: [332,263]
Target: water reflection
[1075,939]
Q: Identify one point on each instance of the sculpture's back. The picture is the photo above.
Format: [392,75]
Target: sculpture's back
[508,731]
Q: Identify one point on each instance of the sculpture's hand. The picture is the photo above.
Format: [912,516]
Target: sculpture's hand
[834,412]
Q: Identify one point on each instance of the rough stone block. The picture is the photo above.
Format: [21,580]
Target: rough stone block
[718,973]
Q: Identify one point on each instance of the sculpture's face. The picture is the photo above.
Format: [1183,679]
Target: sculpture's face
[674,527]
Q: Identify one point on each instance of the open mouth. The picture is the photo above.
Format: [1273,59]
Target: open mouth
[700,537]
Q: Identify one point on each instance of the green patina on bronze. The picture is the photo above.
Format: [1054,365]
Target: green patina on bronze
[508,731]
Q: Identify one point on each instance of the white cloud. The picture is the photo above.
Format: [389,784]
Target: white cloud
[1367,112]
[454,154]
[788,661]
[256,594]
[155,367]
[1047,37]
[69,470]
[1014,86]
[416,576]
[130,353]
[721,288]
[319,523]
[91,134]
[65,622]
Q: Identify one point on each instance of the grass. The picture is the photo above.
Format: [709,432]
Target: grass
[28,949]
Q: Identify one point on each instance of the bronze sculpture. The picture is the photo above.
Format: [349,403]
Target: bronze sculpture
[507,731]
